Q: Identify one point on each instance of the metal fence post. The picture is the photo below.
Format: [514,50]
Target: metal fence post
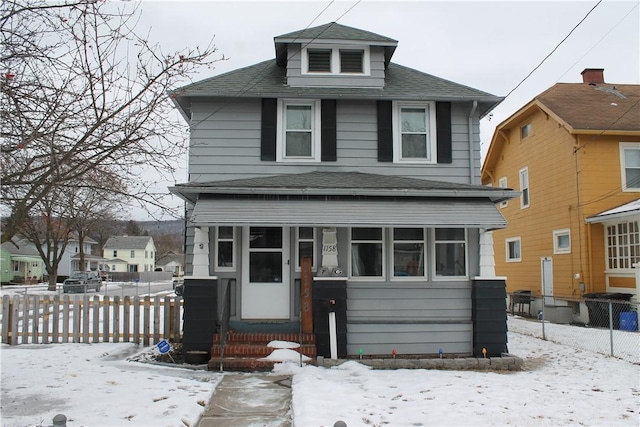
[611,326]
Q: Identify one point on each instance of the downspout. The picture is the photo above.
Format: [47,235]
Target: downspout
[472,176]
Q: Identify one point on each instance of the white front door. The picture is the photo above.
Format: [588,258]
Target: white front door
[265,273]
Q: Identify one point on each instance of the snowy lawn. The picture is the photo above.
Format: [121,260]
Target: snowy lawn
[95,385]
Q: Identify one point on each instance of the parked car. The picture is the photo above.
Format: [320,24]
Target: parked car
[82,281]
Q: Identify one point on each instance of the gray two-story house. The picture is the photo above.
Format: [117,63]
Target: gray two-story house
[368,168]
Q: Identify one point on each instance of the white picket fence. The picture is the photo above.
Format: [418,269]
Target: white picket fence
[34,319]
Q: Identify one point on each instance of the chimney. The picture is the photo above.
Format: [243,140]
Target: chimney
[593,76]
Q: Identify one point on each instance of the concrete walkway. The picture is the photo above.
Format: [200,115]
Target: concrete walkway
[256,399]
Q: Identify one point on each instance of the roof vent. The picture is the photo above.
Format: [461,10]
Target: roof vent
[593,76]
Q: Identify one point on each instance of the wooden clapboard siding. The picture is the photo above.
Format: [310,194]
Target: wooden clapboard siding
[43,319]
[413,319]
[566,187]
[225,144]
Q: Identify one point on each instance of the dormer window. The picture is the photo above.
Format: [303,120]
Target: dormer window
[319,60]
[351,61]
[335,60]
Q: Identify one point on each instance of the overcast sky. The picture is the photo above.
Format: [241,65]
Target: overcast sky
[491,46]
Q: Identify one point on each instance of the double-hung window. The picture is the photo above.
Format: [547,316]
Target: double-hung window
[408,252]
[133,254]
[306,246]
[298,137]
[225,254]
[503,184]
[524,188]
[450,252]
[414,125]
[367,253]
[630,166]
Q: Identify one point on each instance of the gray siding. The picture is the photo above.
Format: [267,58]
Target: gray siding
[225,144]
[295,78]
[412,318]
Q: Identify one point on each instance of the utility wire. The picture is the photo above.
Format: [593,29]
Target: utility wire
[554,49]
[262,73]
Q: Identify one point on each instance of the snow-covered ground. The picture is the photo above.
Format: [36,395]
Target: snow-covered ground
[95,385]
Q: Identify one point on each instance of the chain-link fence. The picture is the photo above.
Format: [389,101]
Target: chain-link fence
[605,323]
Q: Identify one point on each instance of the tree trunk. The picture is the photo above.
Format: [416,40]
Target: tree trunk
[53,279]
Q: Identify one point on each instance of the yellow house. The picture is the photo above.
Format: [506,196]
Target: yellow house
[574,154]
[131,254]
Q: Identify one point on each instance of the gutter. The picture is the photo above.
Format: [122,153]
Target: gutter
[472,177]
[496,196]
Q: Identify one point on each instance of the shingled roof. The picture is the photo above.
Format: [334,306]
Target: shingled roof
[333,32]
[267,80]
[595,106]
[127,242]
[333,183]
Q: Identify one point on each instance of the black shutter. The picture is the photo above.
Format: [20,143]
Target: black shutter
[269,129]
[443,119]
[328,130]
[385,132]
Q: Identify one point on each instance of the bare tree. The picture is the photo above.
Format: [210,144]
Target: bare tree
[49,228]
[81,91]
[90,206]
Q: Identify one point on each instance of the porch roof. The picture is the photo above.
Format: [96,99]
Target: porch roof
[450,212]
[325,183]
[26,258]
[621,212]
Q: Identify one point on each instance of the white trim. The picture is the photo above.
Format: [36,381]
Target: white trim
[623,170]
[434,275]
[234,246]
[335,60]
[296,247]
[383,258]
[506,249]
[524,172]
[431,132]
[315,130]
[425,247]
[556,234]
[502,183]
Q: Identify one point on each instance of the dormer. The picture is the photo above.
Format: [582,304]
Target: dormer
[334,55]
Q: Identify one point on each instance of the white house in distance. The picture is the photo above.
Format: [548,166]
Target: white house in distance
[130,254]
[171,262]
[70,261]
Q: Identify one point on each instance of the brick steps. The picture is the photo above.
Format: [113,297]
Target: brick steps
[243,350]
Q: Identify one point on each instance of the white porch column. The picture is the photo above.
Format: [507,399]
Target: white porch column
[329,248]
[487,260]
[201,252]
